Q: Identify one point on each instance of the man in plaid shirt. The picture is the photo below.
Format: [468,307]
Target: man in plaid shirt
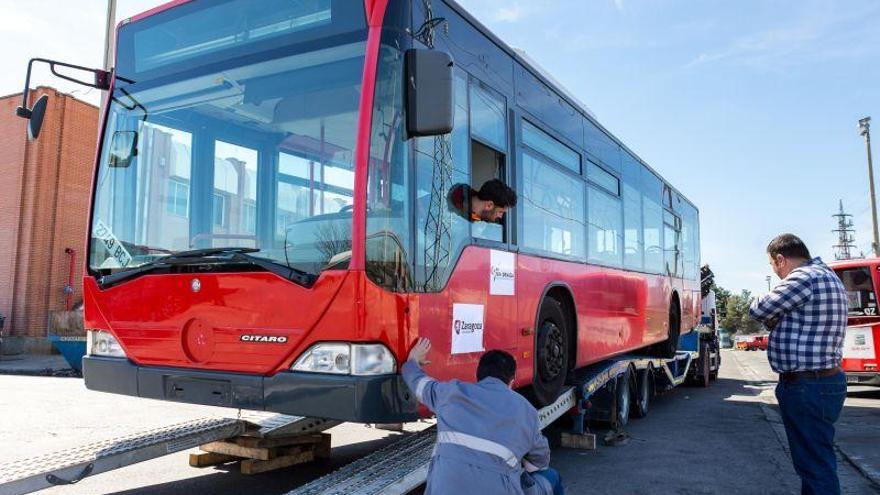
[806,315]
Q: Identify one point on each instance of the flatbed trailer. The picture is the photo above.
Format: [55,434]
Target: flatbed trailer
[605,392]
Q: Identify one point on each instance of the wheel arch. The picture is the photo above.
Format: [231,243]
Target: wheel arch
[561,293]
[675,299]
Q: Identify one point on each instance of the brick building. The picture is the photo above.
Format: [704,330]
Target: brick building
[44,201]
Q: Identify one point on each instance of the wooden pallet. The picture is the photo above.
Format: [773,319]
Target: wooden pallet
[258,455]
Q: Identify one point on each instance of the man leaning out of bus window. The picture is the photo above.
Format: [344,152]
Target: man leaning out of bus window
[488,204]
[489,437]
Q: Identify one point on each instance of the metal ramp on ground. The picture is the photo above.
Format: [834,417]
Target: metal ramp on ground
[71,465]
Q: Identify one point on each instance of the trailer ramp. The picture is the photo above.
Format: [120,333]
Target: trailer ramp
[72,465]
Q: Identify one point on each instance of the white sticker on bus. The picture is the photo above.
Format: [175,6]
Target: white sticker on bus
[502,273]
[858,343]
[467,328]
[117,251]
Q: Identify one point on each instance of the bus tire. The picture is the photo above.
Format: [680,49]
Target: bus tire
[668,347]
[551,353]
[644,391]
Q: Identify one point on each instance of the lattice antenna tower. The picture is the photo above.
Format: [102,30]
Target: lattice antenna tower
[438,221]
[846,238]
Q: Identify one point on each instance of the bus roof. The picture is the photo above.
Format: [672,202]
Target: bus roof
[517,55]
[537,71]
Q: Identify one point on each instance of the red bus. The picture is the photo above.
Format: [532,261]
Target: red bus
[270,227]
[860,354]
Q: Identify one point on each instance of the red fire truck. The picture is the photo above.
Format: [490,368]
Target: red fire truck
[270,221]
[860,353]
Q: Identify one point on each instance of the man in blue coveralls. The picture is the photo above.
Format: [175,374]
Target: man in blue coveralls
[489,437]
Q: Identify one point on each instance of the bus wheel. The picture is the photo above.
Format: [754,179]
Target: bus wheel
[551,354]
[668,347]
[623,399]
[644,391]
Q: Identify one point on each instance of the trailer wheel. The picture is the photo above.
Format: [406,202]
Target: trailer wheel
[622,399]
[551,354]
[704,376]
[643,393]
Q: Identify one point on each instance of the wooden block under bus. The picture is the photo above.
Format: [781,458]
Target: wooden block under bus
[254,466]
[586,441]
[206,459]
[254,442]
[322,449]
[230,448]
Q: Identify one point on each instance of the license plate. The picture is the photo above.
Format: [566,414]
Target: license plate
[852,379]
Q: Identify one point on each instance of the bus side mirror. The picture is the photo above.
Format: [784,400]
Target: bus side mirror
[429,104]
[38,111]
[35,116]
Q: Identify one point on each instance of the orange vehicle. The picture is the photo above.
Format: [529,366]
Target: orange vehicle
[860,354]
[758,343]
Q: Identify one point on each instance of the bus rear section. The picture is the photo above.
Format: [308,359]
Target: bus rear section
[860,346]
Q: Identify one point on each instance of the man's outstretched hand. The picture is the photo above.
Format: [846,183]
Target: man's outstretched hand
[420,351]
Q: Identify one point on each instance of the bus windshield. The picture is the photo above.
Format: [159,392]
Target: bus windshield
[232,124]
[860,290]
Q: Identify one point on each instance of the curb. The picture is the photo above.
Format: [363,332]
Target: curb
[870,474]
[61,372]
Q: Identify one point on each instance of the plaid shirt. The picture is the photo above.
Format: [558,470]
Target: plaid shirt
[809,309]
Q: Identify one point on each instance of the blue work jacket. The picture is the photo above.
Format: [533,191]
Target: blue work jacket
[484,432]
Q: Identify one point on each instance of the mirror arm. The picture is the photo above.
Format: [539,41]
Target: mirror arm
[102,81]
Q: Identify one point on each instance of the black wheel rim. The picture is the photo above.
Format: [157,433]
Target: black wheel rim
[552,356]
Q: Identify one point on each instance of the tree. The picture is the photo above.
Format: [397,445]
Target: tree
[736,317]
[721,297]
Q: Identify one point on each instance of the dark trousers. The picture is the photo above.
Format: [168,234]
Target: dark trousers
[810,407]
[553,477]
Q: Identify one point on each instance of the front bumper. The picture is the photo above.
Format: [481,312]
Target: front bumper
[863,378]
[379,399]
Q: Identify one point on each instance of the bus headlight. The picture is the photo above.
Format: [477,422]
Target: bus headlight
[346,359]
[371,359]
[101,343]
[325,358]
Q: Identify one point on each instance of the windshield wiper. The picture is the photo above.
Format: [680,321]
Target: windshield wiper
[299,276]
[193,256]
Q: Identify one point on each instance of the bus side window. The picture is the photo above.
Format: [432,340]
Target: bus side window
[488,142]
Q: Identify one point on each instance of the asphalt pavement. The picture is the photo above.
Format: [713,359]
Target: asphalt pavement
[720,440]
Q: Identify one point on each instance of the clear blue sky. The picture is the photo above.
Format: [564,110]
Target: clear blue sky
[748,107]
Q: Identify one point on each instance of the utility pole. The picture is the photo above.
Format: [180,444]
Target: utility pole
[845,246]
[865,130]
[768,282]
